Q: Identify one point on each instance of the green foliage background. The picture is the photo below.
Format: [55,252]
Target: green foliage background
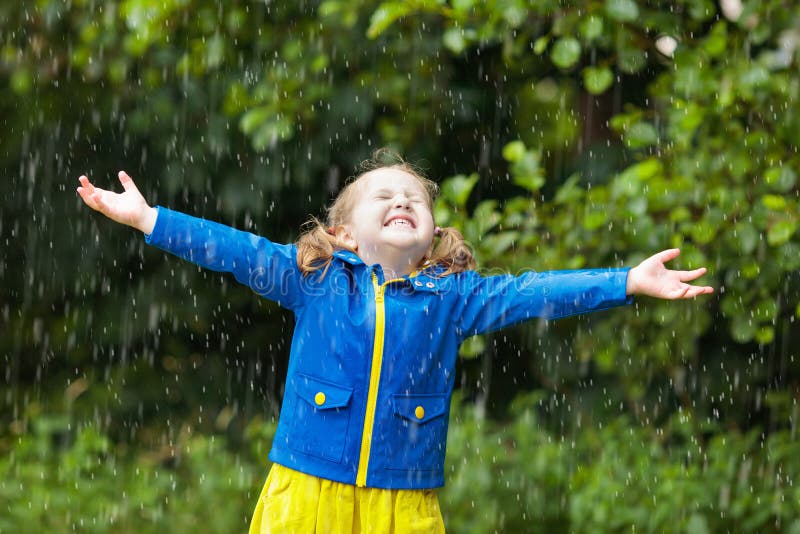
[139,393]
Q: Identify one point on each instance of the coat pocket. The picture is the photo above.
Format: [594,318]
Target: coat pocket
[321,418]
[419,431]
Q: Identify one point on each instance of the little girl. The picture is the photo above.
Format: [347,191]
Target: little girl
[382,299]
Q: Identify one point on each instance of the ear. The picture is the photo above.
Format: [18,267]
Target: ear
[345,235]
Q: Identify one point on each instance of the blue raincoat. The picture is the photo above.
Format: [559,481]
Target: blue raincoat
[371,369]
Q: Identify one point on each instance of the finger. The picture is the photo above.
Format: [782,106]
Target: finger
[695,291]
[86,183]
[97,197]
[681,292]
[667,255]
[126,181]
[86,195]
[93,199]
[688,276]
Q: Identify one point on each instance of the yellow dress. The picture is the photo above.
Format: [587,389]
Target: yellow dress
[293,502]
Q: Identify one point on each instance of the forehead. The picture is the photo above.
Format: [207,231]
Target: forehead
[391,179]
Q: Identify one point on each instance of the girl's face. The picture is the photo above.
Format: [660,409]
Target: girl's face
[391,218]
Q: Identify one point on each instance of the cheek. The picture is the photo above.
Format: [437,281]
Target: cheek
[427,217]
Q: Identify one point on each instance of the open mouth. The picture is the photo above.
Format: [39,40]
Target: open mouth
[400,221]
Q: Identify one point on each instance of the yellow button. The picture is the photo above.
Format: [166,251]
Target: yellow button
[419,412]
[319,398]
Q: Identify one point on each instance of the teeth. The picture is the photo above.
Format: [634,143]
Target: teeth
[400,222]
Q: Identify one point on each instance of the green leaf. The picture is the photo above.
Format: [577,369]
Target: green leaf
[647,169]
[497,244]
[697,525]
[704,232]
[215,51]
[594,220]
[742,328]
[329,8]
[730,305]
[629,182]
[269,133]
[254,118]
[21,81]
[622,121]
[463,5]
[591,27]
[717,41]
[514,151]
[631,60]
[780,178]
[751,269]
[638,206]
[689,118]
[774,202]
[680,214]
[702,9]
[597,79]
[765,335]
[442,213]
[569,191]
[531,182]
[540,45]
[454,40]
[747,237]
[458,188]
[622,10]
[527,170]
[386,15]
[755,77]
[566,52]
[641,134]
[766,310]
[514,15]
[485,217]
[605,359]
[789,256]
[472,347]
[780,232]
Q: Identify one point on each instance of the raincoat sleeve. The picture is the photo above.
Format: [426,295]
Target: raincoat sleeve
[493,302]
[268,268]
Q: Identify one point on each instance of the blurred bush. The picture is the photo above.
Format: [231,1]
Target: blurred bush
[501,476]
[62,478]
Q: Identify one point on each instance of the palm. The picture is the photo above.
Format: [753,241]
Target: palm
[652,278]
[125,207]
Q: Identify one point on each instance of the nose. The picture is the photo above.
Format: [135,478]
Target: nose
[401,201]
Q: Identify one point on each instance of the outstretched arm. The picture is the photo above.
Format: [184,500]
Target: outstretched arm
[128,207]
[270,269]
[652,278]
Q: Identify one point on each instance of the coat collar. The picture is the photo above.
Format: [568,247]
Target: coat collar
[425,279]
[348,256]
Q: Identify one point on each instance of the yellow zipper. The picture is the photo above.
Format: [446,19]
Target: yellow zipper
[374,379]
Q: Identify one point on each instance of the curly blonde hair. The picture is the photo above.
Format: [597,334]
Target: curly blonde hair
[317,243]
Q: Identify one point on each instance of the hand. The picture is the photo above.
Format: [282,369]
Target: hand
[652,278]
[128,207]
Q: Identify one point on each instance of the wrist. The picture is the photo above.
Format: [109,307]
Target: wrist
[147,221]
[630,284]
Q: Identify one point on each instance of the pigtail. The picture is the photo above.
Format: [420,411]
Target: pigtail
[316,246]
[452,252]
